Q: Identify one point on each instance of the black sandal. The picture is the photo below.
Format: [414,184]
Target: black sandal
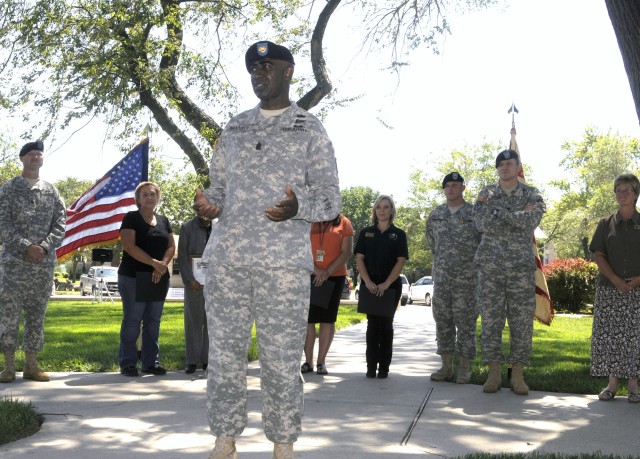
[306,368]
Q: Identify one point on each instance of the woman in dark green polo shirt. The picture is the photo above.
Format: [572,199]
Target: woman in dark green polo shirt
[615,339]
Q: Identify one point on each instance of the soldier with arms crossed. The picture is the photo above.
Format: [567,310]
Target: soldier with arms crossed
[506,214]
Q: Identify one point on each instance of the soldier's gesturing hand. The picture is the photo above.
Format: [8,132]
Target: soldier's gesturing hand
[202,206]
[285,209]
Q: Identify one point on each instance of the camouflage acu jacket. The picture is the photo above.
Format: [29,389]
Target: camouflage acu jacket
[30,215]
[453,239]
[254,160]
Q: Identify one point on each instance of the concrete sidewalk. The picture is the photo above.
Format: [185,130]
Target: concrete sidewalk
[106,415]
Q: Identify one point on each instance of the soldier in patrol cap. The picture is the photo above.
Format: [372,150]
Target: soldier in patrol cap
[32,223]
[273,172]
[453,240]
[506,214]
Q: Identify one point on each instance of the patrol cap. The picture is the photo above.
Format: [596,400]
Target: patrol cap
[507,154]
[37,145]
[452,177]
[266,50]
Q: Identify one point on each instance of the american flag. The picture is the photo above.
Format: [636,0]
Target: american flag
[94,218]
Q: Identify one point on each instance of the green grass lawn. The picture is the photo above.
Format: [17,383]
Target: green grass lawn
[560,359]
[18,419]
[81,336]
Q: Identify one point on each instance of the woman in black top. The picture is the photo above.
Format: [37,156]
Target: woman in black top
[381,252]
[143,280]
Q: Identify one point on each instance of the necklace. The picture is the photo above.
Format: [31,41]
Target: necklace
[323,227]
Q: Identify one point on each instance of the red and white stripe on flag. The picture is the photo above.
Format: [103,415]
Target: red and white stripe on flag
[94,219]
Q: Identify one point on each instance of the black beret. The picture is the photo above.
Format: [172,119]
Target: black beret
[37,145]
[452,177]
[507,154]
[266,50]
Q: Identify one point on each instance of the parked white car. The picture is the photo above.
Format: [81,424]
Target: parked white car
[105,277]
[421,290]
[405,289]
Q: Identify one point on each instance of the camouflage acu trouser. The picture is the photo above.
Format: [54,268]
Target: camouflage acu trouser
[278,300]
[24,287]
[454,310]
[507,295]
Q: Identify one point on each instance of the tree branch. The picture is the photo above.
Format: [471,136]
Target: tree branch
[323,83]
[192,113]
[138,68]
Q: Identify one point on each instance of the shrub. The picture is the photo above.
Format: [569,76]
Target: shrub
[571,282]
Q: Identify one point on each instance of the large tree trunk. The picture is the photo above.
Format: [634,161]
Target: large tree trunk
[625,18]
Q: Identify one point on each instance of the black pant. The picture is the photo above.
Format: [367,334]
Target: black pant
[379,342]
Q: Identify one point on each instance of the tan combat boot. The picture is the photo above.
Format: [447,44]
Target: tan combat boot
[464,371]
[446,372]
[494,380]
[283,451]
[225,448]
[9,372]
[518,385]
[31,369]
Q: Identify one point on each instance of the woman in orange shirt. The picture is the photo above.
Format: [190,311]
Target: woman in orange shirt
[331,245]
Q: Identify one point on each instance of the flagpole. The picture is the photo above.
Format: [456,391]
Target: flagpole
[544,307]
[513,110]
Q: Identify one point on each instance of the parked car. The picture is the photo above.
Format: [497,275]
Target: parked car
[99,277]
[405,289]
[421,290]
[346,290]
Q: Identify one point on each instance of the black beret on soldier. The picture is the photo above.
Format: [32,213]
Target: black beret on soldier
[37,145]
[266,50]
[505,155]
[452,177]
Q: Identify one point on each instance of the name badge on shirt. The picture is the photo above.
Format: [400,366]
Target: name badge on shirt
[368,234]
[319,255]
